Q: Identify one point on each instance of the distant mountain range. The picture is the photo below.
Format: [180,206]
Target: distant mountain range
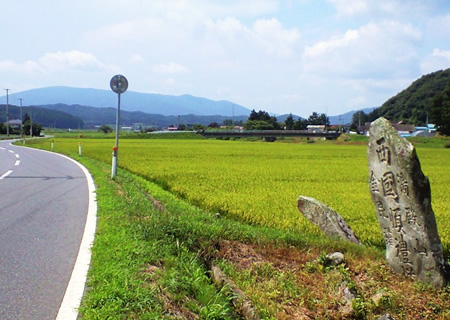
[93,107]
[166,105]
[346,118]
[92,116]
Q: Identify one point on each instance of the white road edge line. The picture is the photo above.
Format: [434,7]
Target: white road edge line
[7,173]
[68,309]
[75,289]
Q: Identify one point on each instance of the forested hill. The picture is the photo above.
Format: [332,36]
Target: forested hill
[43,116]
[93,116]
[411,105]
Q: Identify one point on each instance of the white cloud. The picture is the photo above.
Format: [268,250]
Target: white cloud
[274,37]
[70,60]
[347,8]
[375,50]
[437,60]
[268,35]
[328,47]
[192,8]
[169,81]
[28,67]
[169,68]
[136,59]
[384,8]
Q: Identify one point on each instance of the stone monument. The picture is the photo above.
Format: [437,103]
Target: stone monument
[402,197]
[328,220]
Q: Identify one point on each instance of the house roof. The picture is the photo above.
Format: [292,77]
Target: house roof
[397,126]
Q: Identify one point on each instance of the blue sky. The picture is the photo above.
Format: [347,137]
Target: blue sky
[294,56]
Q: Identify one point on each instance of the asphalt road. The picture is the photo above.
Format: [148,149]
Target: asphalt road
[43,208]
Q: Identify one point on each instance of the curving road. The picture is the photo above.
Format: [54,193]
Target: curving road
[44,200]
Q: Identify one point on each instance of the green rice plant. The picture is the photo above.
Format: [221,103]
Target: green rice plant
[259,183]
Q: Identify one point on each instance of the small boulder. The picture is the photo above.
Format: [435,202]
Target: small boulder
[328,220]
[386,316]
[334,259]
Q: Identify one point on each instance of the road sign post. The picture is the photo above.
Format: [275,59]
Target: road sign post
[118,84]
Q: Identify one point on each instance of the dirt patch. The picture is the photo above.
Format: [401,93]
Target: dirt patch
[245,255]
[176,310]
[240,254]
[157,204]
[297,286]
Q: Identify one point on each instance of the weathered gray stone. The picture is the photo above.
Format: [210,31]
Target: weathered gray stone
[328,220]
[402,197]
[334,259]
[386,316]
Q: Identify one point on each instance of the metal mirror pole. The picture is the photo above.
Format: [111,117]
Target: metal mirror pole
[116,147]
[119,85]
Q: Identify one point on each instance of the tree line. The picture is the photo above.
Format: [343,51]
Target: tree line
[17,130]
[262,120]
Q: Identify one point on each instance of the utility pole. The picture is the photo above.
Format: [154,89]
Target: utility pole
[7,113]
[21,119]
[232,115]
[31,124]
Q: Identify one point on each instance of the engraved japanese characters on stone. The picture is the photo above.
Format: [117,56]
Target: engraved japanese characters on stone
[389,185]
[396,218]
[374,183]
[383,152]
[381,210]
[402,197]
[402,184]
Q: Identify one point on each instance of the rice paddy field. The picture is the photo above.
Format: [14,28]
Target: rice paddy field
[260,183]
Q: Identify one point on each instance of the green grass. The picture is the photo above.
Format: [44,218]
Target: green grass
[137,265]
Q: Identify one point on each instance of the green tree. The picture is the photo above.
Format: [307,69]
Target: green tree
[261,120]
[373,115]
[105,129]
[318,119]
[228,122]
[36,131]
[198,127]
[440,111]
[300,124]
[289,122]
[259,125]
[359,118]
[260,115]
